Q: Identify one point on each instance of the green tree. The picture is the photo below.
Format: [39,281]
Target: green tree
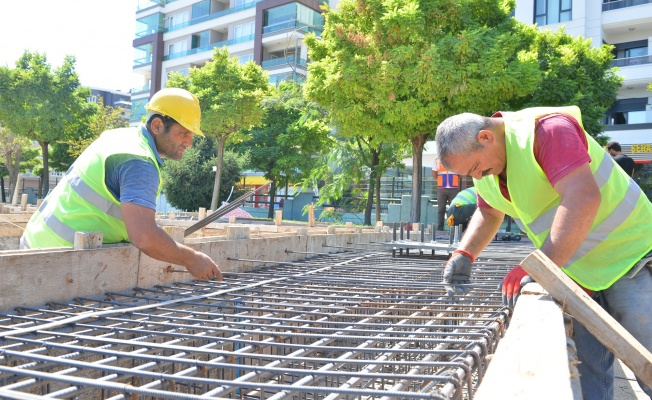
[187,183]
[291,137]
[11,150]
[43,104]
[393,70]
[574,72]
[230,96]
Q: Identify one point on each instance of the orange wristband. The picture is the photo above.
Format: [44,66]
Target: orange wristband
[466,253]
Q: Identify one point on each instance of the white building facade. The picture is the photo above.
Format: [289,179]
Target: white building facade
[176,35]
[627,25]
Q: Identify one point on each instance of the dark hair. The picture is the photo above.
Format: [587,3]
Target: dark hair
[167,122]
[614,146]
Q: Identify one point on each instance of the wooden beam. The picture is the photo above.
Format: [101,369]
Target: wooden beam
[593,317]
[531,361]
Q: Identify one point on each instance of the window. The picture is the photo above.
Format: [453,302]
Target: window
[245,29]
[91,99]
[245,58]
[242,2]
[627,112]
[548,12]
[178,47]
[178,19]
[201,9]
[199,40]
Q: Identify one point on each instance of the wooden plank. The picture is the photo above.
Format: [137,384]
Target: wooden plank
[88,240]
[594,318]
[531,361]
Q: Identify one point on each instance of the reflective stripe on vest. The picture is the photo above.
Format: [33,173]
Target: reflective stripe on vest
[93,197]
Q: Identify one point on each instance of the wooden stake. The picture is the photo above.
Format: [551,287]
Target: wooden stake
[88,240]
[279,218]
[311,215]
[593,317]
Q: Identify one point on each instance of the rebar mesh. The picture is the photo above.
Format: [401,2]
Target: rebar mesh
[349,325]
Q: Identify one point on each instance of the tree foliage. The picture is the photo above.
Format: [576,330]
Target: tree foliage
[392,70]
[188,183]
[292,136]
[574,73]
[16,155]
[43,104]
[230,96]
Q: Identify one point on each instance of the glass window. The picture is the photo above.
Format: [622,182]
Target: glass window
[245,29]
[245,58]
[143,54]
[277,15]
[627,111]
[552,11]
[149,24]
[199,40]
[178,19]
[242,2]
[201,9]
[178,47]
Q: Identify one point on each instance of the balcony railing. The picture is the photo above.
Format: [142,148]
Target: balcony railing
[143,61]
[292,24]
[286,61]
[212,16]
[626,62]
[144,4]
[209,47]
[141,89]
[615,5]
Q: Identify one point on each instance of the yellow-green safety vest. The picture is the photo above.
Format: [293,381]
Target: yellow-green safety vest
[621,232]
[81,202]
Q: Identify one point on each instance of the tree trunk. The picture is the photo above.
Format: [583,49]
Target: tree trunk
[2,187]
[372,182]
[378,176]
[12,159]
[417,157]
[45,187]
[218,175]
[272,195]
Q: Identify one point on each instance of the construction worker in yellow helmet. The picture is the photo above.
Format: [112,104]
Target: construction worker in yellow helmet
[113,186]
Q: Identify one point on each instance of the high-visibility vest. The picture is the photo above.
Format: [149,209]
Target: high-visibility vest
[81,202]
[621,231]
[446,179]
[466,196]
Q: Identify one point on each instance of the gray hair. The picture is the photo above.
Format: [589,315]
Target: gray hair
[458,135]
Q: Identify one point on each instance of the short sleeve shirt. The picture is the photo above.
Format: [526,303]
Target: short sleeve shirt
[132,179]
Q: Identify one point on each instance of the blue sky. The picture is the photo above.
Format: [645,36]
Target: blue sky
[98,33]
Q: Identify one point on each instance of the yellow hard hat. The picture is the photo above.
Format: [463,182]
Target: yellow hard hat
[179,104]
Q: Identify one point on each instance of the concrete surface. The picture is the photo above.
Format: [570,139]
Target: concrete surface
[626,387]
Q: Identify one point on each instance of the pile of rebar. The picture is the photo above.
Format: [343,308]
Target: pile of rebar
[349,325]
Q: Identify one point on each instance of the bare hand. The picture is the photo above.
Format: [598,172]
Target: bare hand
[203,267]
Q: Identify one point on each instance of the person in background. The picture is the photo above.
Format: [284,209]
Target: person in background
[448,186]
[113,185]
[625,161]
[462,208]
[539,166]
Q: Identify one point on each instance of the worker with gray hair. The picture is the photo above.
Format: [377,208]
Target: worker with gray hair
[578,207]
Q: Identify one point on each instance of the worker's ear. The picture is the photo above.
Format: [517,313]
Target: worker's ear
[157,126]
[485,136]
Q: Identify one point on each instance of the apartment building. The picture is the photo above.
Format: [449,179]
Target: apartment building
[176,35]
[627,25]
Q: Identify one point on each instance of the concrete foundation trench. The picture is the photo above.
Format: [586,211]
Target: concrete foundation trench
[338,323]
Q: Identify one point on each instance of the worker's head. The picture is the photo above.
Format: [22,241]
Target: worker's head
[470,144]
[173,117]
[613,148]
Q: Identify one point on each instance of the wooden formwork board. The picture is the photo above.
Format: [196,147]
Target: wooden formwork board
[35,277]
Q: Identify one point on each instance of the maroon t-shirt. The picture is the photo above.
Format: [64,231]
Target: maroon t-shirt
[559,147]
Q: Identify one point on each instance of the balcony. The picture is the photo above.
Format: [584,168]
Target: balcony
[290,61]
[291,25]
[209,47]
[615,5]
[138,90]
[142,61]
[626,62]
[212,16]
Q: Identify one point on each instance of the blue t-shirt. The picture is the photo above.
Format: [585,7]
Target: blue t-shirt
[133,179]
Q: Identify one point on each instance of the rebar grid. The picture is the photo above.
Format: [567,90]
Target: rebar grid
[347,325]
